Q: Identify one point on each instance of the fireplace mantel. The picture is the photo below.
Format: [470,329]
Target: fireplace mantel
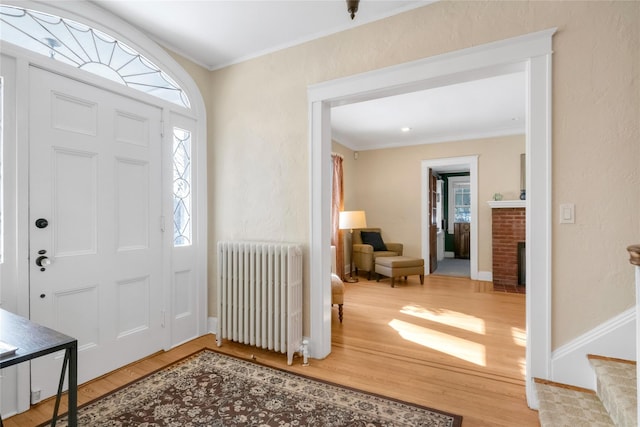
[495,204]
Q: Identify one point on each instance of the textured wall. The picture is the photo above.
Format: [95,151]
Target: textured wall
[388,186]
[259,173]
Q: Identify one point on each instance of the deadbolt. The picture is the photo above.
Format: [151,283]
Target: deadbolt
[41,223]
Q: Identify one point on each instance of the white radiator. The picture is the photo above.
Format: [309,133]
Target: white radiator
[260,295]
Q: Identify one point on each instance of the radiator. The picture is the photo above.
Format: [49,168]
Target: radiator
[260,295]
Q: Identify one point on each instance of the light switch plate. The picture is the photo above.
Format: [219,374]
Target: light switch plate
[567,213]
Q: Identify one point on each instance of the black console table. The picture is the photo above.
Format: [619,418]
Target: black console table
[35,340]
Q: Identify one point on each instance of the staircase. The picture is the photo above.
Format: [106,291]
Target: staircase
[613,404]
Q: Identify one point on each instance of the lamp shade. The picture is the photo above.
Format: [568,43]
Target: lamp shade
[352,219]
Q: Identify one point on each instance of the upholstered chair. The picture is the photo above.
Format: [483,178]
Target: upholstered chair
[365,251]
[337,285]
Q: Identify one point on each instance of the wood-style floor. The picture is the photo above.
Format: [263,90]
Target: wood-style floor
[450,344]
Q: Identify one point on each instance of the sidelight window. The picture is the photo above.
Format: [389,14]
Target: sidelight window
[182,206]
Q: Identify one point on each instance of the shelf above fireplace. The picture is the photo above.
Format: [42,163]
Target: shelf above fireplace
[495,204]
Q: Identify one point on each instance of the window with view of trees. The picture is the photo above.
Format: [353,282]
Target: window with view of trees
[458,189]
[462,202]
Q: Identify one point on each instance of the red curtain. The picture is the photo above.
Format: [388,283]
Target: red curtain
[337,205]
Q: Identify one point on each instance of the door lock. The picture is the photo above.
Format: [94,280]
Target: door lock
[42,262]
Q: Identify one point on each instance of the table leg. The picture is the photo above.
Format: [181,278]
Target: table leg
[54,420]
[73,385]
[70,358]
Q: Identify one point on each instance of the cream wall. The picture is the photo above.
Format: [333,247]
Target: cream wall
[388,183]
[259,154]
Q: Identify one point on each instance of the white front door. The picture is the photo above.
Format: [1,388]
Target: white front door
[95,221]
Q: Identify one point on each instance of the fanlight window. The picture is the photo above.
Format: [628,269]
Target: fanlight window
[89,49]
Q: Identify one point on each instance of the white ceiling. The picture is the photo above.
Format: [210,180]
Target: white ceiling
[483,108]
[218,33]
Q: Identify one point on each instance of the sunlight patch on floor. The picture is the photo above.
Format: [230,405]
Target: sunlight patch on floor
[447,317]
[519,336]
[522,363]
[454,346]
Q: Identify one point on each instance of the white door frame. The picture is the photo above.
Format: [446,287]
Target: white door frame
[466,162]
[531,52]
[97,17]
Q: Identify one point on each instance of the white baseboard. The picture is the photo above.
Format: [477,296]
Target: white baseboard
[448,254]
[614,338]
[485,276]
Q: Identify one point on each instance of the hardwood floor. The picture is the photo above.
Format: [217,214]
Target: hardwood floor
[451,344]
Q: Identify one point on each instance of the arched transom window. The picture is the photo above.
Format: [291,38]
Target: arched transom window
[89,49]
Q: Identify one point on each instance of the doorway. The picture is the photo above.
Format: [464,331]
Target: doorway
[532,53]
[466,163]
[178,311]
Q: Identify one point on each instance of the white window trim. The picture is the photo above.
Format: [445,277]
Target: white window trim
[452,181]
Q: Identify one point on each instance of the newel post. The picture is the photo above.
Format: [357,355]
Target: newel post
[634,259]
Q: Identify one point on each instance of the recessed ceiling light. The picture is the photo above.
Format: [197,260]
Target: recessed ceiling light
[405,129]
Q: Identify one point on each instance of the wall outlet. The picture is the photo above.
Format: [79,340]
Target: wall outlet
[35,396]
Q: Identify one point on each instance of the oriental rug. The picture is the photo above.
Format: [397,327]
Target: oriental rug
[213,389]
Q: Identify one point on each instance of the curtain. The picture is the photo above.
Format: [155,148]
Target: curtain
[337,205]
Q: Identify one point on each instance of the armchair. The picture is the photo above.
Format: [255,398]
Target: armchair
[364,255]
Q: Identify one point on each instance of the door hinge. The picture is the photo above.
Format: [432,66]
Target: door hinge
[161,128]
[163,317]
[162,223]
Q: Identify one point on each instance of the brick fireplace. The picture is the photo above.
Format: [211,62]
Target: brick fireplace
[508,229]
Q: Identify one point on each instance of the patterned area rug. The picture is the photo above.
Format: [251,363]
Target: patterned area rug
[212,389]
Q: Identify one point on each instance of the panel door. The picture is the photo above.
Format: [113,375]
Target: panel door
[462,240]
[95,211]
